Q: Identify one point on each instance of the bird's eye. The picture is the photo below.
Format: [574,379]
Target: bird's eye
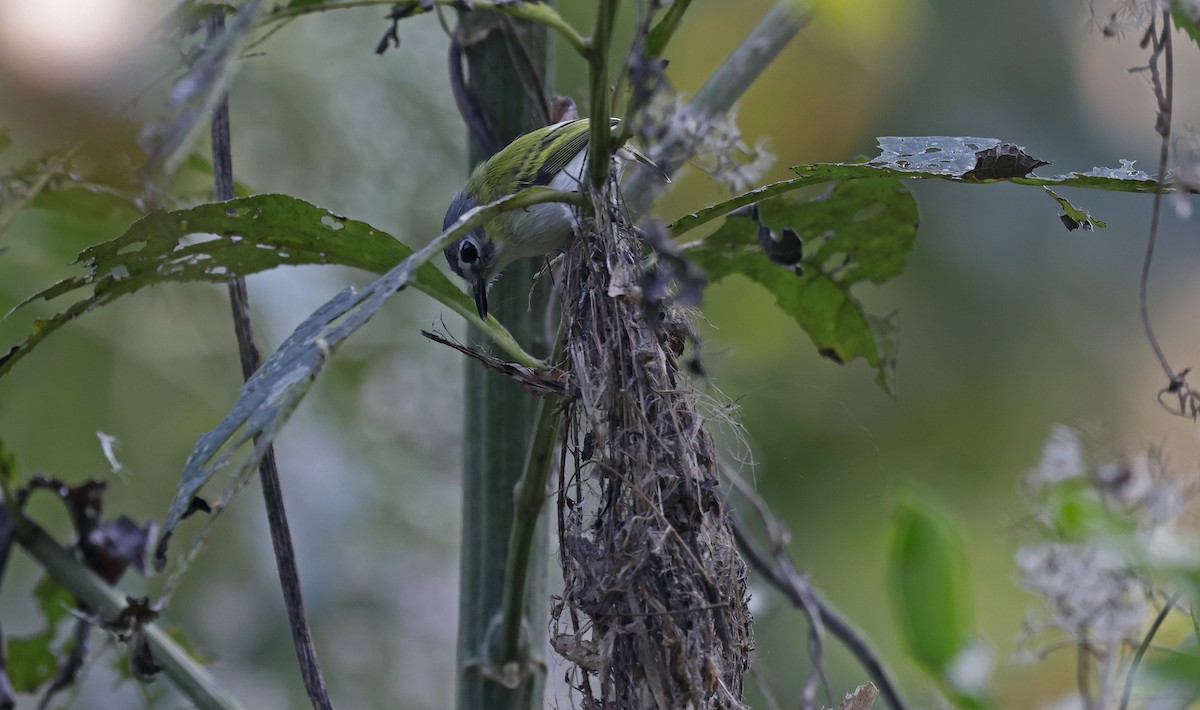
[468,253]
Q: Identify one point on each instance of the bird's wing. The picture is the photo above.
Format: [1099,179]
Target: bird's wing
[561,145]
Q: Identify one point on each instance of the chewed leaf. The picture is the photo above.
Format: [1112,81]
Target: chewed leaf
[1003,162]
[862,230]
[273,392]
[941,156]
[964,159]
[952,158]
[1074,217]
[269,397]
[207,243]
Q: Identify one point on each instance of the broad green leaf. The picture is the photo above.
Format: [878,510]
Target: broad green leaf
[928,583]
[30,661]
[1186,14]
[952,158]
[862,230]
[273,392]
[263,232]
[956,158]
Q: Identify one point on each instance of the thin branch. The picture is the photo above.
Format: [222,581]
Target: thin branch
[53,166]
[718,95]
[783,575]
[251,359]
[533,12]
[192,679]
[1163,84]
[1137,658]
[468,106]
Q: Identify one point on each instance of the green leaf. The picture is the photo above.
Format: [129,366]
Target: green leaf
[957,158]
[53,599]
[1078,513]
[929,586]
[1074,217]
[1186,14]
[31,662]
[862,230]
[273,392]
[952,158]
[263,232]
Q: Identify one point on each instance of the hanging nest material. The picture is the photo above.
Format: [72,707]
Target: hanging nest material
[653,613]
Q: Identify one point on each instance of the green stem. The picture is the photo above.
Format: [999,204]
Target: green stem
[192,679]
[528,500]
[660,35]
[539,13]
[601,133]
[687,223]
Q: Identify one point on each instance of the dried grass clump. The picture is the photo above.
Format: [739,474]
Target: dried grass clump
[654,612]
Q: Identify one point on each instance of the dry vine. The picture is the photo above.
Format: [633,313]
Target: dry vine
[654,612]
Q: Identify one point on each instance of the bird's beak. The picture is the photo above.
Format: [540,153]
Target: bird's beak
[480,293]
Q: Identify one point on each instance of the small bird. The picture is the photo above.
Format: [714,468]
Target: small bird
[554,156]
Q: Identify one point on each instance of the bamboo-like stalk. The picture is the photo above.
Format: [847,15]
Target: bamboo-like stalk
[499,414]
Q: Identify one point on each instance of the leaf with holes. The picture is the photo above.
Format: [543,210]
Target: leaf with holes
[861,230]
[207,243]
[273,392]
[954,158]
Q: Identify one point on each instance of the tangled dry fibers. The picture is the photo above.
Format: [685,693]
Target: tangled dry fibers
[653,613]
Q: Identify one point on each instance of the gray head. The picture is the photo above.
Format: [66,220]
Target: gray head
[471,255]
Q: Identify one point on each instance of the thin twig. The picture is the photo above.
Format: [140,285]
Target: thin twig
[51,168]
[1137,657]
[1163,84]
[192,679]
[782,575]
[251,358]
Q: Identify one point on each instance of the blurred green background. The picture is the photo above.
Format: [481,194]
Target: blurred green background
[1009,324]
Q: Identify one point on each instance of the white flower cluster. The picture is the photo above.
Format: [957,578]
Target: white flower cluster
[1115,19]
[1110,532]
[718,146]
[1092,593]
[1062,459]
